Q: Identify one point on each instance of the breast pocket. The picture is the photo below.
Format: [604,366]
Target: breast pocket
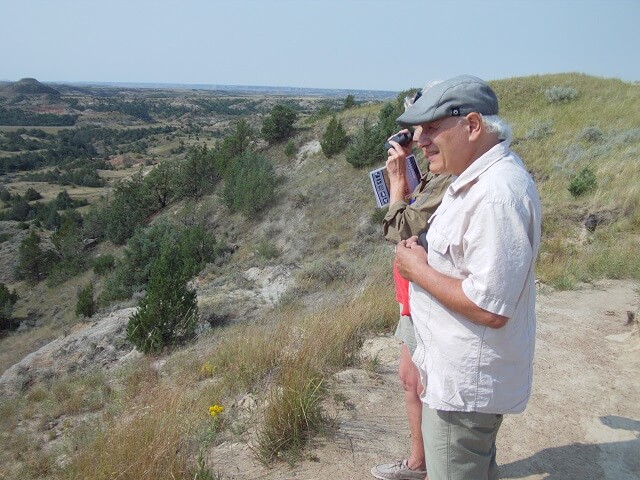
[440,252]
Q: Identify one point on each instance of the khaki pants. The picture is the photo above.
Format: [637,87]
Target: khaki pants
[460,445]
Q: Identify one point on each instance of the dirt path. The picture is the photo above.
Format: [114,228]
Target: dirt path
[583,420]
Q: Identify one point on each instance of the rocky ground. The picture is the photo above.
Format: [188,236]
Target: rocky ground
[583,420]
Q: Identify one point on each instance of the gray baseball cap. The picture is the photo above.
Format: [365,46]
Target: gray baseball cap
[455,97]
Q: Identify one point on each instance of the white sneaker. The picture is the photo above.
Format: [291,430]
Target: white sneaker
[397,471]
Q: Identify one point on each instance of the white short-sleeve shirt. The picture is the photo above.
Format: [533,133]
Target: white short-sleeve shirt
[486,232]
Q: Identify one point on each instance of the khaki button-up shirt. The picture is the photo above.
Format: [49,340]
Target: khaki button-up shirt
[404,220]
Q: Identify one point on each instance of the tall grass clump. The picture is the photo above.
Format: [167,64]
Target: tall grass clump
[292,414]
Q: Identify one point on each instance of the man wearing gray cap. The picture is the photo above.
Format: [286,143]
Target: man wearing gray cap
[472,293]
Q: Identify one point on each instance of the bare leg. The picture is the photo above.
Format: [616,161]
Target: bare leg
[410,379]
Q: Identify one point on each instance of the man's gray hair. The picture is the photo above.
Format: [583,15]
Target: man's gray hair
[495,124]
[408,101]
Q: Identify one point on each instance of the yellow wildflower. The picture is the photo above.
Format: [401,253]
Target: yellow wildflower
[214,410]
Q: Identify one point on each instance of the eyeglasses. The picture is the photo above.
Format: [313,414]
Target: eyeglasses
[416,97]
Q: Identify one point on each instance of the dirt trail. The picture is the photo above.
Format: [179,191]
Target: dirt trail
[582,422]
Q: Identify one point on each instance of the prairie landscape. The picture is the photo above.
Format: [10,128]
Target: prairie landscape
[251,214]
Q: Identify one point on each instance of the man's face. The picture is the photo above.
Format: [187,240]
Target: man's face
[445,144]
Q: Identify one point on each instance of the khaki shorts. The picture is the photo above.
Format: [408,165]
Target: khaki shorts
[406,333]
[460,445]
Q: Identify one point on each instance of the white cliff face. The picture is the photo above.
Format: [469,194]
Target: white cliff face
[100,344]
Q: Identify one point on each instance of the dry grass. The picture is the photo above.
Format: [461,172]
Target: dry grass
[599,130]
[17,346]
[150,440]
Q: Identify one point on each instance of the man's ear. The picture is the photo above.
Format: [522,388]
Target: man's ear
[475,125]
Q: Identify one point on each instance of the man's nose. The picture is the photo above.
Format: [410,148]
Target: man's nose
[423,140]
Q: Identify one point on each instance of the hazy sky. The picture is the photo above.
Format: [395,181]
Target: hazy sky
[352,44]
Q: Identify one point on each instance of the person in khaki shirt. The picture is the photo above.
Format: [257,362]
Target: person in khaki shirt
[408,217]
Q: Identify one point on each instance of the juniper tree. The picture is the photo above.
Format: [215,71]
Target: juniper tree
[334,139]
[34,262]
[279,124]
[167,314]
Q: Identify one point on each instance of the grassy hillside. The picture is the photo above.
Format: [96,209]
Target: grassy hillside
[323,233]
[598,129]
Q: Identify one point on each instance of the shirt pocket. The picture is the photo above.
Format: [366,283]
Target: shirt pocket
[439,256]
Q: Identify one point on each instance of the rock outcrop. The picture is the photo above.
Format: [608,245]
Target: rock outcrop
[99,344]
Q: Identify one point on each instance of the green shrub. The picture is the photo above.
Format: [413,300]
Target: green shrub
[591,135]
[268,250]
[34,263]
[349,102]
[366,147]
[196,175]
[387,125]
[32,194]
[290,149]
[560,94]
[232,146]
[539,130]
[583,182]
[94,221]
[167,314]
[334,139]
[279,124]
[131,273]
[86,305]
[7,301]
[103,264]
[250,184]
[129,208]
[70,258]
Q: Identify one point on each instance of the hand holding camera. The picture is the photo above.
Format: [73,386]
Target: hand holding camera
[404,138]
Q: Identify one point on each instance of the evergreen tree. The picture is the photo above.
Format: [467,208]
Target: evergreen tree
[132,272]
[279,124]
[86,305]
[67,241]
[232,146]
[367,147]
[167,314]
[387,125]
[250,185]
[334,138]
[349,102]
[7,301]
[34,263]
[128,210]
[32,194]
[197,174]
[161,182]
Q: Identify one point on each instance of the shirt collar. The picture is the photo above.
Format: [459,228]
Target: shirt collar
[479,166]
